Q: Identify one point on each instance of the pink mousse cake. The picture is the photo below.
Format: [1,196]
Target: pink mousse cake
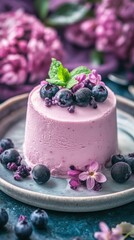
[59,138]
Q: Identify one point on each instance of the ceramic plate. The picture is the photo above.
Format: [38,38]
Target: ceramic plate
[56,193]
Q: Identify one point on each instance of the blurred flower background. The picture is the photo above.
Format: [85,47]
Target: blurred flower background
[94,33]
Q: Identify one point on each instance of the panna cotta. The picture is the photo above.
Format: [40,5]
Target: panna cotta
[59,139]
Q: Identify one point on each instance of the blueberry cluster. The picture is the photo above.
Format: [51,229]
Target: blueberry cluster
[23,229]
[11,159]
[88,95]
[122,167]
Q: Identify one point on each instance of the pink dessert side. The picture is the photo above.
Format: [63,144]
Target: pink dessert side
[59,139]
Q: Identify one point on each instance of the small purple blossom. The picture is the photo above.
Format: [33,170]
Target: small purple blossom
[92,175]
[107,233]
[74,174]
[80,78]
[17,177]
[23,171]
[12,166]
[95,78]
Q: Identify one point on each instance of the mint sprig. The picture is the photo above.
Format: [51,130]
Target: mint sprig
[59,75]
[79,70]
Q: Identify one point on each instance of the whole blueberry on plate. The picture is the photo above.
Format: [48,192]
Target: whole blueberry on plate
[100,93]
[40,173]
[117,158]
[5,143]
[9,156]
[82,97]
[121,172]
[130,160]
[48,91]
[3,217]
[64,97]
[23,229]
[39,218]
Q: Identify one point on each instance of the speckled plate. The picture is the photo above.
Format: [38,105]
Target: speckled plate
[56,193]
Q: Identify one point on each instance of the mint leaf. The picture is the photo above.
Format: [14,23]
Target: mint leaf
[79,70]
[71,83]
[63,74]
[56,82]
[53,71]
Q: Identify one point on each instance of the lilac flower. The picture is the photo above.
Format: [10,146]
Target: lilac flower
[91,175]
[107,233]
[26,48]
[95,78]
[74,174]
[13,69]
[82,34]
[80,78]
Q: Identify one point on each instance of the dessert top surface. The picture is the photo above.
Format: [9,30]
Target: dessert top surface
[81,113]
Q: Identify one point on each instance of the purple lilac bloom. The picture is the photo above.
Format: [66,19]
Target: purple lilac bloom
[73,173]
[89,176]
[95,78]
[108,234]
[82,34]
[26,48]
[92,175]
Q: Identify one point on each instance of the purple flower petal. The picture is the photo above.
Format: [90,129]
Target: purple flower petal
[93,167]
[103,227]
[74,183]
[90,183]
[100,177]
[83,176]
[73,173]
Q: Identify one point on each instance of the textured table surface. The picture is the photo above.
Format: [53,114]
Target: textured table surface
[66,225]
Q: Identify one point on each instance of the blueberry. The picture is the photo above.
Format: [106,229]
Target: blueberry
[121,172]
[64,97]
[129,159]
[5,143]
[82,97]
[41,174]
[3,217]
[117,158]
[10,155]
[48,91]
[23,229]
[39,218]
[100,93]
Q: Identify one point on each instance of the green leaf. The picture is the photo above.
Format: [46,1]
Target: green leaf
[71,83]
[56,82]
[97,58]
[68,13]
[79,70]
[53,71]
[41,7]
[63,74]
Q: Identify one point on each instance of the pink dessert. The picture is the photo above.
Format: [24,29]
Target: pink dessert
[59,139]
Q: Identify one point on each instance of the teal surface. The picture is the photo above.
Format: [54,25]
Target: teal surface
[63,226]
